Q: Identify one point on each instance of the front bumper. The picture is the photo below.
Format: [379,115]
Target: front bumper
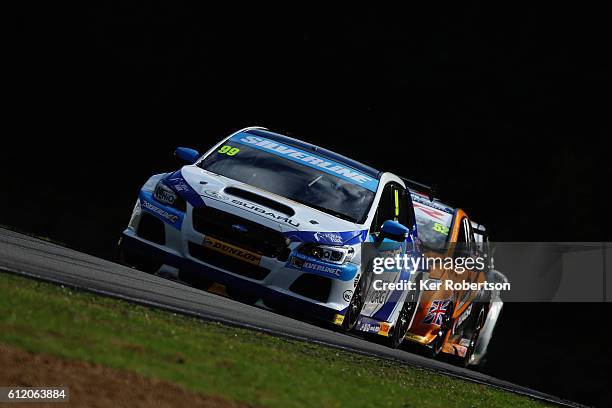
[174,241]
[271,297]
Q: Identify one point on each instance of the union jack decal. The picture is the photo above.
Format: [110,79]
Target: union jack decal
[436,312]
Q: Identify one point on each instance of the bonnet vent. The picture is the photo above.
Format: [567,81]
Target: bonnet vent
[256,198]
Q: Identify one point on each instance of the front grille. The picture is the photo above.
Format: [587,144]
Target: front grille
[239,232]
[151,228]
[227,262]
[312,286]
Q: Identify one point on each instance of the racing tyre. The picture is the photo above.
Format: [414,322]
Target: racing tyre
[356,304]
[404,320]
[437,344]
[135,261]
[465,360]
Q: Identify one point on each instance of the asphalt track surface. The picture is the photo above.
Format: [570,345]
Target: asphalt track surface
[34,258]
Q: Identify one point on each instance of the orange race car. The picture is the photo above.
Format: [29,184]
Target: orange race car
[455,303]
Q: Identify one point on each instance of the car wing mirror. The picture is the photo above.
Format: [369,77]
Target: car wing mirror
[187,155]
[394,231]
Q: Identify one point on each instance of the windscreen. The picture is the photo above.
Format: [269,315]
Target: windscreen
[434,221]
[294,174]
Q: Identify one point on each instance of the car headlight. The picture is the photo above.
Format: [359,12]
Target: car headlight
[334,254]
[166,195]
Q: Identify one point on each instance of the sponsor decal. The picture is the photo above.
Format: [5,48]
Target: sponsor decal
[177,183]
[369,327]
[464,315]
[322,268]
[338,319]
[162,213]
[328,237]
[309,160]
[267,213]
[465,342]
[164,195]
[418,198]
[356,280]
[347,295]
[345,272]
[377,296]
[460,350]
[384,329]
[415,338]
[217,195]
[231,250]
[436,312]
[296,262]
[308,266]
[430,211]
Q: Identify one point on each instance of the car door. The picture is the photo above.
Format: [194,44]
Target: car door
[464,247]
[394,204]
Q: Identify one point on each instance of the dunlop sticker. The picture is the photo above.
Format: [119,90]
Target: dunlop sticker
[233,251]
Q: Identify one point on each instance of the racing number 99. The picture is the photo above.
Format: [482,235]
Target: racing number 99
[229,150]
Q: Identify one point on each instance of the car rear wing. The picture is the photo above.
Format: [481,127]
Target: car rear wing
[481,235]
[420,187]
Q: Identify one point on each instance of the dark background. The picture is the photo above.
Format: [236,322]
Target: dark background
[505,109]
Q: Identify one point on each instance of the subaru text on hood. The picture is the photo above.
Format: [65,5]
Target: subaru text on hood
[281,223]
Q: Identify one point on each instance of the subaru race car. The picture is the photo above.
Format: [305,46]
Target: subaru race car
[457,324]
[281,223]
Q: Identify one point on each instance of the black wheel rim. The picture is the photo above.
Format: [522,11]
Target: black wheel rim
[401,327]
[403,321]
[355,306]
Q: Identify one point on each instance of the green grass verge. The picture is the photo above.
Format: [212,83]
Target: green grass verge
[215,359]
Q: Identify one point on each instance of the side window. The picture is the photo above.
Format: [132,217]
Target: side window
[400,201]
[410,217]
[469,236]
[462,236]
[465,238]
[393,205]
[470,232]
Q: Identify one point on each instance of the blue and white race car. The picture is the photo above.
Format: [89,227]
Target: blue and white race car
[282,223]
